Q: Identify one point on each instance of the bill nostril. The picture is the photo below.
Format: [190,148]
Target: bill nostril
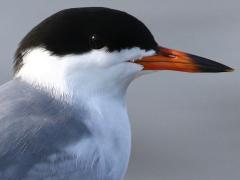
[171,56]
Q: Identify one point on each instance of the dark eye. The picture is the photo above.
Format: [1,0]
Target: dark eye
[96,42]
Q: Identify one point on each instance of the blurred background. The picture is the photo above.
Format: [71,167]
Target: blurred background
[185,126]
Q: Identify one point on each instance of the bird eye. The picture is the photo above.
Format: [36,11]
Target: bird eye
[96,42]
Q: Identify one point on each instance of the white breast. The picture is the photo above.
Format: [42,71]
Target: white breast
[110,143]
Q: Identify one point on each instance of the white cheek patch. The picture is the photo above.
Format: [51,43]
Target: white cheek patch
[54,73]
[103,58]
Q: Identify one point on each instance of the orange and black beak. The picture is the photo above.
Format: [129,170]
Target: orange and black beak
[168,59]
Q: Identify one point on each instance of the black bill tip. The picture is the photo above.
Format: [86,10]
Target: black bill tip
[209,66]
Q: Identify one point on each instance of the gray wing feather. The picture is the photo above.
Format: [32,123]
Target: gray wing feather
[33,125]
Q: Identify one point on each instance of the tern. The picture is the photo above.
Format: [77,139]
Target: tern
[64,116]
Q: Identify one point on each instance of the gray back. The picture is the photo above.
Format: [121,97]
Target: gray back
[33,125]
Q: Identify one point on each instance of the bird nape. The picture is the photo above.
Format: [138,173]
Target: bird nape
[64,114]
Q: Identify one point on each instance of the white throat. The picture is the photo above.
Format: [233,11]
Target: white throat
[97,72]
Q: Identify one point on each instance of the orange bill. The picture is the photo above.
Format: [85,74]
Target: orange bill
[168,59]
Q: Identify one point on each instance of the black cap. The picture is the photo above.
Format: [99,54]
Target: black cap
[79,30]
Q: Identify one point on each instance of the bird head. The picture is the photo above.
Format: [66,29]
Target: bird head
[97,50]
